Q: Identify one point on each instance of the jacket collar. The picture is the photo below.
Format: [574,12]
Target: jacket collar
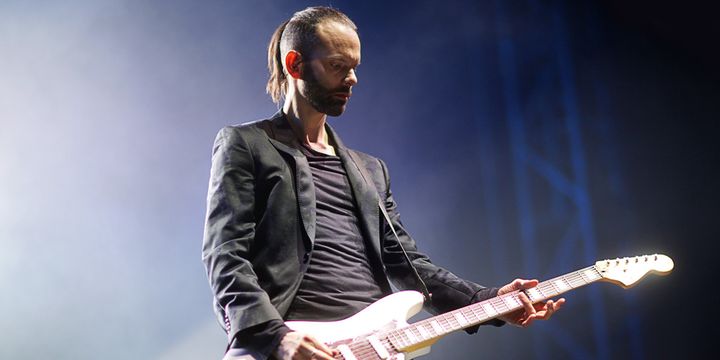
[280,131]
[283,139]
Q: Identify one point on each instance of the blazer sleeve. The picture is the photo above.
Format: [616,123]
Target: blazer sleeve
[229,235]
[448,291]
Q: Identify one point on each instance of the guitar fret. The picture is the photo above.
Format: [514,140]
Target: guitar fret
[417,333]
[453,320]
[560,285]
[499,305]
[534,294]
[591,274]
[397,339]
[447,322]
[550,289]
[423,332]
[468,314]
[511,302]
[404,339]
[411,337]
[438,328]
[489,309]
[461,319]
[483,314]
[542,288]
[575,279]
[400,339]
[478,313]
[582,279]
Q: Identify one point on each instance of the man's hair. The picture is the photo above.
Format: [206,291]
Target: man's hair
[297,33]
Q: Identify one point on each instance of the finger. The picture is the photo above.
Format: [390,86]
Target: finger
[322,356]
[304,351]
[527,304]
[528,320]
[527,284]
[514,285]
[310,352]
[322,347]
[517,284]
[549,310]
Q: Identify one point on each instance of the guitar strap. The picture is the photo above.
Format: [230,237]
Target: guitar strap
[381,206]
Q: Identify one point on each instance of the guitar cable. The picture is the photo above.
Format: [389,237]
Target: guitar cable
[363,172]
[426,293]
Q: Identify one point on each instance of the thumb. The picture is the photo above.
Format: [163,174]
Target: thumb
[517,284]
[527,284]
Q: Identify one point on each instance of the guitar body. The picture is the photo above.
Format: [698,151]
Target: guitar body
[390,312]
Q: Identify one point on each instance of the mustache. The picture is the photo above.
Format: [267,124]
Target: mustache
[341,90]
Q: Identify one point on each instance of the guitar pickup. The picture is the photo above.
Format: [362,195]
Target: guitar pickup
[378,346]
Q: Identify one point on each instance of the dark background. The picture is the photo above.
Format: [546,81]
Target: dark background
[524,139]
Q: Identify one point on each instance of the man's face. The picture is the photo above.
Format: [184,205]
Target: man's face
[329,71]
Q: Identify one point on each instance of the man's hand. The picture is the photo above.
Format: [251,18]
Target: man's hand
[299,346]
[531,312]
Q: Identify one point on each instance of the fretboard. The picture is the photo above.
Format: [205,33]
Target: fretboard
[435,327]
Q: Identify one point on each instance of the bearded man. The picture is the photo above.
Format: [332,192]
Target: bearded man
[299,227]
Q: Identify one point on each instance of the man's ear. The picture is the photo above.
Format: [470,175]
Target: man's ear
[293,61]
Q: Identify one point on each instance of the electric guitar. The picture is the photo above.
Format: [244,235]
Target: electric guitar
[381,330]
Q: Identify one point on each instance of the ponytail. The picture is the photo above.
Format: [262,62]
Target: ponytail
[276,85]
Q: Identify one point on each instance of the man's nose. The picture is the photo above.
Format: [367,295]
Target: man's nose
[351,78]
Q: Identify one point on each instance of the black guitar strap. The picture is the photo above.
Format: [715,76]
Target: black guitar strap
[381,206]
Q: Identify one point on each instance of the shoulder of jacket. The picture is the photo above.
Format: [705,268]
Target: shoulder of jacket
[372,164]
[367,158]
[248,131]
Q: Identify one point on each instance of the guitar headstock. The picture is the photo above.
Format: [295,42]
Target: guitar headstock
[628,271]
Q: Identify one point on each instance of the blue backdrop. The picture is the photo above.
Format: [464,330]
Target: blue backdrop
[524,138]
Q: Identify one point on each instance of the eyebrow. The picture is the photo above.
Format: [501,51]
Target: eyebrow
[342,57]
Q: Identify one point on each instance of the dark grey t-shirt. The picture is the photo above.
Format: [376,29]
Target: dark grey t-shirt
[340,280]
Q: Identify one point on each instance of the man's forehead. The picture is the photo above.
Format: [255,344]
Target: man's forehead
[337,40]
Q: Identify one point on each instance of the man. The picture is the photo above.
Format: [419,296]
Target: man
[293,229]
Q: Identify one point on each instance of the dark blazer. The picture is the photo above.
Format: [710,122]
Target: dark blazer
[260,226]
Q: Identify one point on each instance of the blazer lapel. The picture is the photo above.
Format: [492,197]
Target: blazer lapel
[283,139]
[365,193]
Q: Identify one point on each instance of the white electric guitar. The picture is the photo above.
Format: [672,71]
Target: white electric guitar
[381,330]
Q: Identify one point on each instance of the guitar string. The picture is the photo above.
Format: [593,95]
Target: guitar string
[575,279]
[547,289]
[365,349]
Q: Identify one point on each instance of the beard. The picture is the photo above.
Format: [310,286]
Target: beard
[320,97]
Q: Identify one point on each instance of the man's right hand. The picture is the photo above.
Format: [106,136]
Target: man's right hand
[298,346]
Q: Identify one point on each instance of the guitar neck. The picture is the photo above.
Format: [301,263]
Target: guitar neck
[431,329]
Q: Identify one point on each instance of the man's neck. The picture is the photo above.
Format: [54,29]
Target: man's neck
[308,125]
